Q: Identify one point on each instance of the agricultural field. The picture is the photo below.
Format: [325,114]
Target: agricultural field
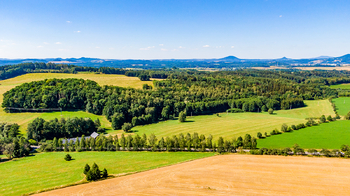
[342,105]
[327,135]
[341,86]
[23,119]
[236,124]
[230,175]
[34,173]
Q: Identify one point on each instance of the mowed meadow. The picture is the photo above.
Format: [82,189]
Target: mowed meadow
[342,105]
[23,119]
[50,170]
[236,124]
[329,135]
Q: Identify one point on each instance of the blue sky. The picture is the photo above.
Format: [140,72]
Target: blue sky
[151,29]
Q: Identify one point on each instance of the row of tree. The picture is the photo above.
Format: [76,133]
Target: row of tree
[181,142]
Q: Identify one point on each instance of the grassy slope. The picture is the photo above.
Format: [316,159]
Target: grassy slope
[239,124]
[103,79]
[342,105]
[340,86]
[328,135]
[48,170]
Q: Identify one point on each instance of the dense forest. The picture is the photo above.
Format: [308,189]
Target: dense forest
[11,142]
[191,91]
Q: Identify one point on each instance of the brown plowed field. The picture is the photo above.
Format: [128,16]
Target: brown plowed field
[230,175]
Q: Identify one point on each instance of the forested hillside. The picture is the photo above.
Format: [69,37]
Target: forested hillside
[184,90]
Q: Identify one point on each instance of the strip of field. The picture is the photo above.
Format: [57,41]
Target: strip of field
[341,86]
[238,124]
[327,135]
[230,175]
[102,79]
[48,170]
[342,105]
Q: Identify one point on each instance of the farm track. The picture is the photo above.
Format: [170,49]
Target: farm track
[230,175]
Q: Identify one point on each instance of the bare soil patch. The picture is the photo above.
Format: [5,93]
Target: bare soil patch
[230,175]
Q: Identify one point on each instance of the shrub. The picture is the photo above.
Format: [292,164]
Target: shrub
[234,110]
[270,111]
[33,142]
[284,127]
[86,169]
[294,127]
[68,157]
[104,173]
[323,119]
[329,118]
[126,127]
[259,135]
[182,116]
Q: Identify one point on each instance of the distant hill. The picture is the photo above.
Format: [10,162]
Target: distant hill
[225,63]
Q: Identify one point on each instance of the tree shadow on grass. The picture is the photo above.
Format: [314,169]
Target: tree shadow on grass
[188,121]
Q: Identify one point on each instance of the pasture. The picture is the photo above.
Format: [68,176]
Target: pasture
[23,119]
[342,105]
[232,174]
[327,135]
[341,86]
[49,170]
[236,124]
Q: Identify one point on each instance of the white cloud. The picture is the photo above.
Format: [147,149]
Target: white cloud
[174,50]
[68,21]
[161,44]
[163,49]
[280,16]
[97,47]
[218,46]
[46,43]
[206,46]
[40,46]
[77,31]
[58,43]
[232,46]
[181,47]
[111,48]
[148,48]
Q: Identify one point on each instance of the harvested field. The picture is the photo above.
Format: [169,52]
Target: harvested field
[230,175]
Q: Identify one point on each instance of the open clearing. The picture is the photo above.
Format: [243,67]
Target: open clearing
[342,105]
[327,135]
[23,119]
[237,124]
[48,170]
[230,175]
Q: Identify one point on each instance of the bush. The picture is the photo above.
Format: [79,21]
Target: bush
[234,110]
[293,127]
[68,157]
[126,127]
[270,111]
[323,119]
[33,142]
[329,118]
[182,116]
[259,135]
[104,173]
[284,127]
[86,169]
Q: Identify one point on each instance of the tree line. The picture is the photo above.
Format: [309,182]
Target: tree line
[181,142]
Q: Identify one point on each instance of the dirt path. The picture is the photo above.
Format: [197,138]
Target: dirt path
[230,175]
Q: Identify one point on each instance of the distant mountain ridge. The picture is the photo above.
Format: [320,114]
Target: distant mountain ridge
[226,62]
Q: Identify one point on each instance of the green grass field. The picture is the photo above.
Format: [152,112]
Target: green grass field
[238,124]
[341,86]
[342,105]
[23,119]
[49,170]
[327,135]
